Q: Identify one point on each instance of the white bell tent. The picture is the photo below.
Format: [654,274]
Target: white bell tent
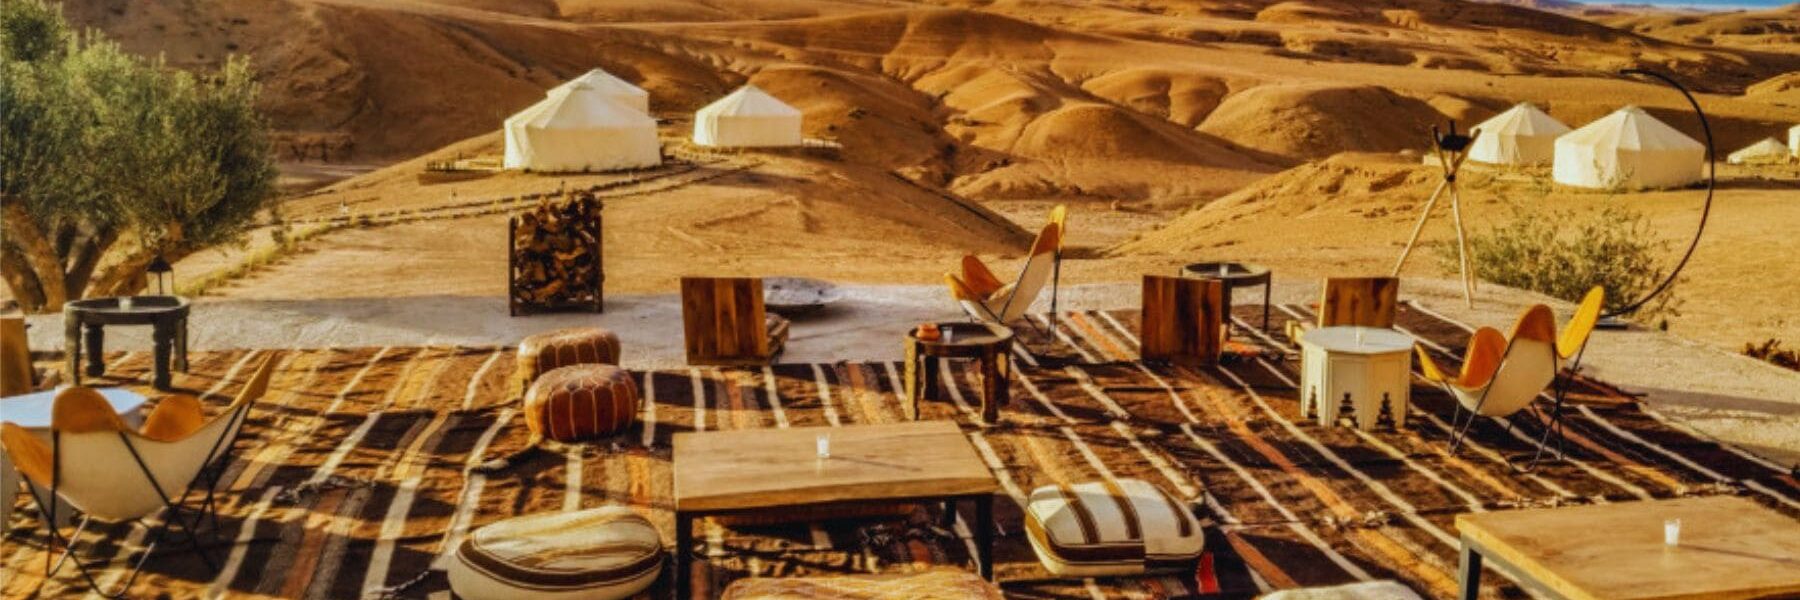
[1628,149]
[578,128]
[1766,152]
[612,87]
[1521,136]
[748,117]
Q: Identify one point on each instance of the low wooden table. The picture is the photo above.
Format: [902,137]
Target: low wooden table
[1235,275]
[989,345]
[758,470]
[1730,547]
[166,315]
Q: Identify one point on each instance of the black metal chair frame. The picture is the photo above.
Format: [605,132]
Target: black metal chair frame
[173,508]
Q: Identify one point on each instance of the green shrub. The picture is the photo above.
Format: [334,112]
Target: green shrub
[1564,253]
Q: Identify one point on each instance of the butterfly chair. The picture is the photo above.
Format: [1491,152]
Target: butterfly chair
[986,298]
[1502,375]
[1059,216]
[97,464]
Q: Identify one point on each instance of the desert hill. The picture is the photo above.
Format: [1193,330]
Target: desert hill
[980,98]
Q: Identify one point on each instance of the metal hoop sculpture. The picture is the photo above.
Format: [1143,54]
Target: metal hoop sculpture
[1712,183]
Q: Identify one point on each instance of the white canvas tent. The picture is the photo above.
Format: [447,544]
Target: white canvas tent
[1628,149]
[580,129]
[1767,151]
[613,87]
[748,117]
[1523,135]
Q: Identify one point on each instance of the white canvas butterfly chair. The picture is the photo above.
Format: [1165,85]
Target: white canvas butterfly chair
[1502,375]
[108,471]
[986,298]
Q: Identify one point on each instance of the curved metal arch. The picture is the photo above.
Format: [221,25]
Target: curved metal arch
[1712,184]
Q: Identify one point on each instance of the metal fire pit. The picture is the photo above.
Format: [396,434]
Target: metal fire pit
[795,296]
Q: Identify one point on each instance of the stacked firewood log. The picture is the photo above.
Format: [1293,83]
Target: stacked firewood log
[555,260]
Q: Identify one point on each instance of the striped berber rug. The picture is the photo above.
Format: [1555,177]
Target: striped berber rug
[357,472]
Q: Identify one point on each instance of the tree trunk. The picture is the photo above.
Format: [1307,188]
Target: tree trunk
[37,251]
[84,257]
[21,279]
[123,277]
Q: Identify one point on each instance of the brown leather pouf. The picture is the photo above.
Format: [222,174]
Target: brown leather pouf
[581,402]
[540,353]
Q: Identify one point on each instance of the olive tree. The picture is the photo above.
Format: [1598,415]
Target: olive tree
[108,160]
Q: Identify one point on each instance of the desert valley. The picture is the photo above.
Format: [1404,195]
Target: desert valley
[1286,133]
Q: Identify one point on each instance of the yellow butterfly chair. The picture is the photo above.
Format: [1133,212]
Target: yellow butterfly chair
[986,298]
[1502,375]
[103,468]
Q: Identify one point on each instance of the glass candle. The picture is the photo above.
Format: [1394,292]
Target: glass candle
[1223,269]
[824,445]
[125,303]
[1672,532]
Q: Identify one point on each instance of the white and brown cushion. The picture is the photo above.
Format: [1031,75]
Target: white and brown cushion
[596,554]
[1384,589]
[934,584]
[1111,527]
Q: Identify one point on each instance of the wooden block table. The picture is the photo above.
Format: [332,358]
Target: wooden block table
[989,345]
[1369,366]
[1730,548]
[1183,320]
[747,471]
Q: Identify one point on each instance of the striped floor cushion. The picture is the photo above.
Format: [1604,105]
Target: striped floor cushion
[1107,528]
[935,584]
[1367,590]
[602,553]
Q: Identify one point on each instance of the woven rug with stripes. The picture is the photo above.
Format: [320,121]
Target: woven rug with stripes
[356,472]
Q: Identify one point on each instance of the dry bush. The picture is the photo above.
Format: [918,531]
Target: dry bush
[1564,253]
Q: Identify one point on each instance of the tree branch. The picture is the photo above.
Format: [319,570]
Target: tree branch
[19,276]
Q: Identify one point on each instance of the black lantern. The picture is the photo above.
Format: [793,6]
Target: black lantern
[161,269]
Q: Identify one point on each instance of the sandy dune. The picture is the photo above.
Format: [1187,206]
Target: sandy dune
[949,111]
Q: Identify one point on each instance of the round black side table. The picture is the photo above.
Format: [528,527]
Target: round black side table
[1234,275]
[166,315]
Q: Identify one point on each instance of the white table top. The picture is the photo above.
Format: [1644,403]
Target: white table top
[33,410]
[1346,339]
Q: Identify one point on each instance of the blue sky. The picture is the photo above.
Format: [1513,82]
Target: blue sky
[1699,3]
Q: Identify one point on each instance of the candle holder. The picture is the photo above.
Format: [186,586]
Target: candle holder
[824,445]
[125,303]
[1672,533]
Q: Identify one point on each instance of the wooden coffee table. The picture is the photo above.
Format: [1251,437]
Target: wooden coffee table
[764,470]
[990,346]
[1730,547]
